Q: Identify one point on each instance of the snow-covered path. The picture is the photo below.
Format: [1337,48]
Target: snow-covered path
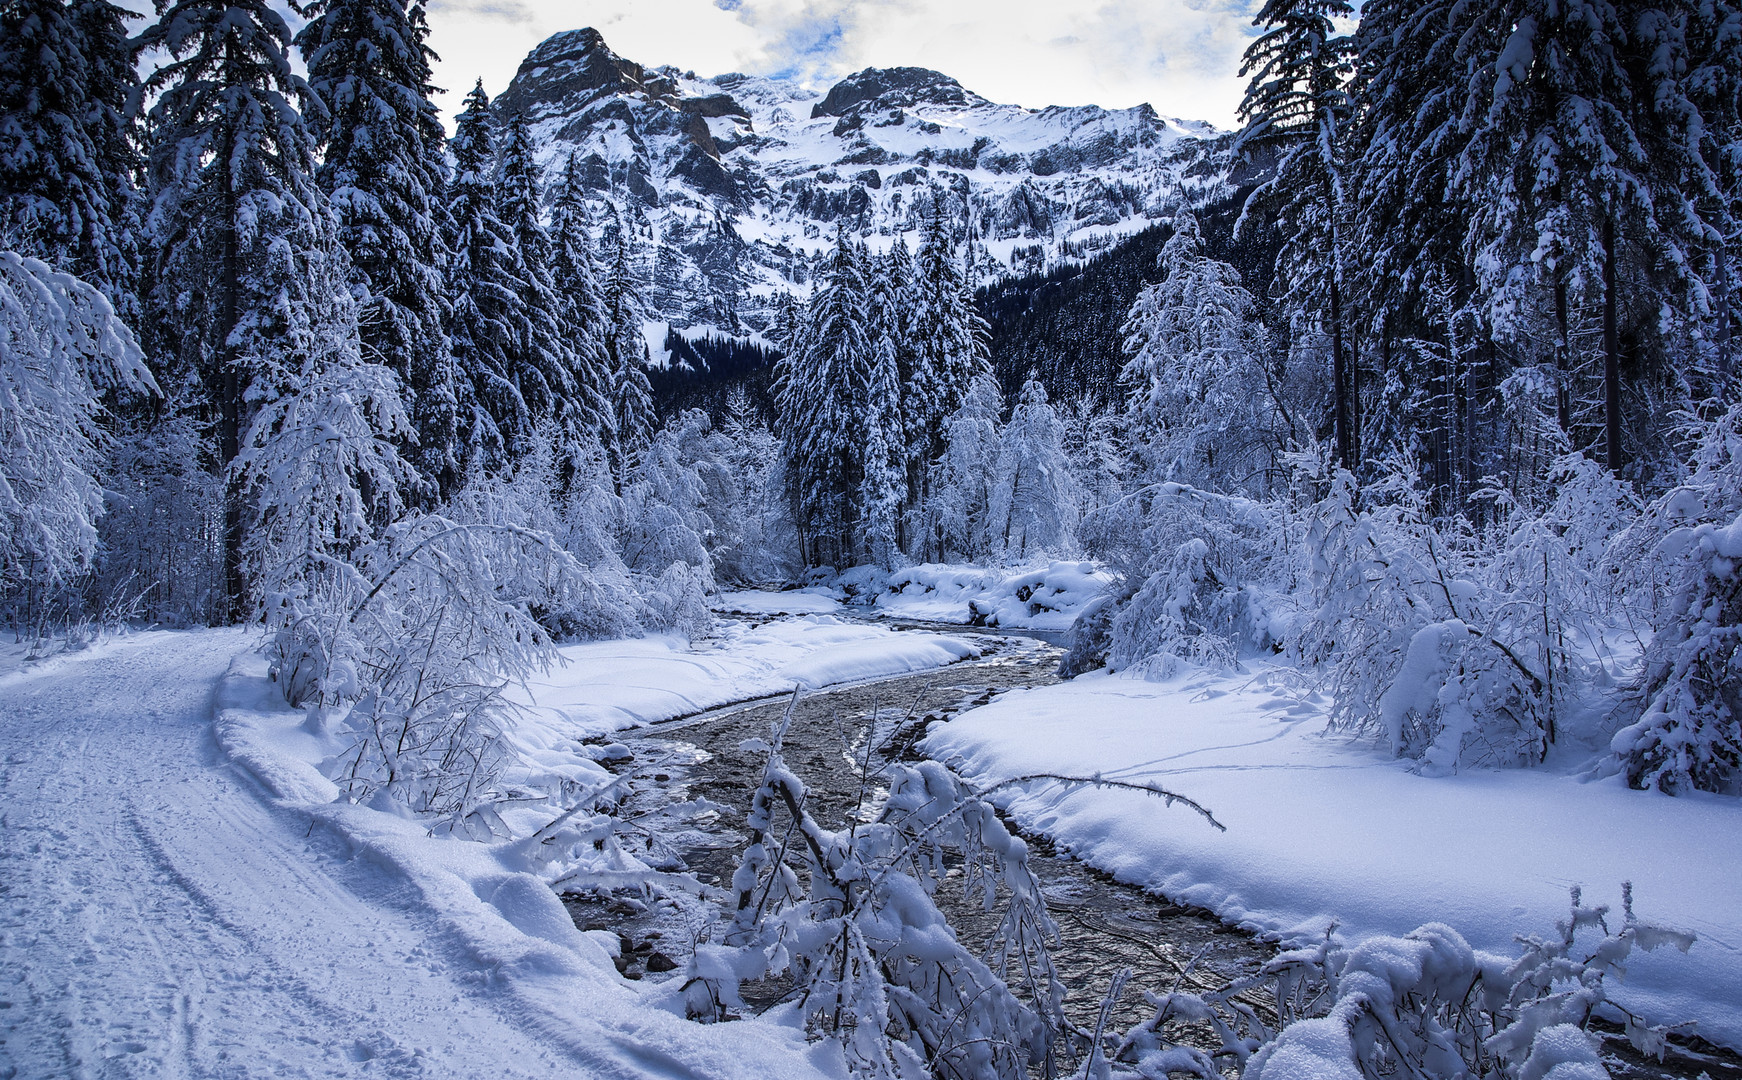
[159,917]
[161,920]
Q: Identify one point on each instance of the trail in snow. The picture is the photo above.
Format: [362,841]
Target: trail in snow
[161,920]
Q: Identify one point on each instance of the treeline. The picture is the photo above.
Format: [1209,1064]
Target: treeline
[1509,229]
[257,230]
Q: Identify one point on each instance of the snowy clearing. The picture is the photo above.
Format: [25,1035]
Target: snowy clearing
[608,685]
[163,919]
[1321,830]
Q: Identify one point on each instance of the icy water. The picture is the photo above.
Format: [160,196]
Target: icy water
[1104,926]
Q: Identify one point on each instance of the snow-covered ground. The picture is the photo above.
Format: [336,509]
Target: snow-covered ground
[607,685]
[1043,596]
[1322,830]
[178,904]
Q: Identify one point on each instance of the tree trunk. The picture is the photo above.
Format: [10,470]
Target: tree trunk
[1562,358]
[1611,354]
[1340,381]
[230,379]
[1724,323]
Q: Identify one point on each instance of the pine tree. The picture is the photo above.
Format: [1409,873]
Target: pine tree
[1199,408]
[1297,107]
[544,365]
[1033,498]
[949,351]
[883,485]
[1587,174]
[821,398]
[383,171]
[484,296]
[577,285]
[952,521]
[112,91]
[241,232]
[56,200]
[626,357]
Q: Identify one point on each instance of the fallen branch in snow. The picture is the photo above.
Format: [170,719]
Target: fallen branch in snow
[1167,797]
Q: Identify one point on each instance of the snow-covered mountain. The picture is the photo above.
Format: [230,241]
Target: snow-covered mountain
[736,183]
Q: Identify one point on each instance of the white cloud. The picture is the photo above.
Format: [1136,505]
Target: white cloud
[1182,56]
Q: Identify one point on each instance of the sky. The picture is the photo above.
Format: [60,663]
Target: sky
[1181,56]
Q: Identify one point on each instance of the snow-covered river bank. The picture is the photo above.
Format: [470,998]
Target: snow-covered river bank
[179,905]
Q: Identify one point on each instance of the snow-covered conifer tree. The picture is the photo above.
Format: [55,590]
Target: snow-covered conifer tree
[822,395]
[951,521]
[484,294]
[59,193]
[544,366]
[1297,106]
[1197,408]
[1032,501]
[1586,174]
[236,220]
[883,491]
[949,350]
[383,171]
[576,279]
[625,354]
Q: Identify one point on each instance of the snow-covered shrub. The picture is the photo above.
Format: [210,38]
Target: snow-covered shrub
[61,348]
[1193,563]
[849,915]
[1684,713]
[1425,1005]
[440,623]
[1415,646]
[1688,731]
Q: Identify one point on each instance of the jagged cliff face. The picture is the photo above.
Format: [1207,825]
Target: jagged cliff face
[735,184]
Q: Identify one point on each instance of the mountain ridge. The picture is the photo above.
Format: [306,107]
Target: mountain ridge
[734,185]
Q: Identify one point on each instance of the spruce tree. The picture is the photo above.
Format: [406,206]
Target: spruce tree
[625,354]
[576,278]
[1199,408]
[383,170]
[1297,107]
[821,399]
[1033,498]
[544,366]
[57,99]
[112,92]
[241,233]
[949,351]
[483,295]
[883,493]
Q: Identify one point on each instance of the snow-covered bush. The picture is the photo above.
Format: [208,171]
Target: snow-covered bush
[1425,1005]
[1414,646]
[1684,714]
[849,915]
[1200,574]
[61,348]
[1688,704]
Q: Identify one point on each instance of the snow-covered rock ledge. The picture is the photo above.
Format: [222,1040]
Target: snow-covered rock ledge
[506,925]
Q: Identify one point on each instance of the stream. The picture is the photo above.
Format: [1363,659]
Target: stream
[1104,926]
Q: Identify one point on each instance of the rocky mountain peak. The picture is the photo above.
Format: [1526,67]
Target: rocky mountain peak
[573,66]
[893,88]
